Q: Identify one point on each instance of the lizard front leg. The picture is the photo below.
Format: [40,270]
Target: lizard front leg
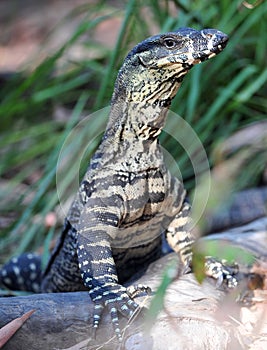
[96,228]
[181,239]
[179,236]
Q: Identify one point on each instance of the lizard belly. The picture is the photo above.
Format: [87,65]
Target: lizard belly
[147,216]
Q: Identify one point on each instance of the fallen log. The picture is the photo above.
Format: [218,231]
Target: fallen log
[193,316]
[62,320]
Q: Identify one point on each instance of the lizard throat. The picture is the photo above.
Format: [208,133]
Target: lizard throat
[141,113]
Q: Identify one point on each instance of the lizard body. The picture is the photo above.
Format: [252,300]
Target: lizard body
[128,198]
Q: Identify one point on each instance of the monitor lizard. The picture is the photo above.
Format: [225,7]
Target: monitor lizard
[127,197]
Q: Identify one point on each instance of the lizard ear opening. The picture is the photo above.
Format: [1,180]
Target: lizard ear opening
[142,61]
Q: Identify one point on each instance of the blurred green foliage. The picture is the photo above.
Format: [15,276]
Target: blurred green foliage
[216,98]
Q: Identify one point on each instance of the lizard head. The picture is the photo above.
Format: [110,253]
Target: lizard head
[184,47]
[154,69]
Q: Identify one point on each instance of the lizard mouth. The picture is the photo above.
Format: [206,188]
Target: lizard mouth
[211,51]
[220,46]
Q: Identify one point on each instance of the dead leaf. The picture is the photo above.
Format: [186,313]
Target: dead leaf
[11,328]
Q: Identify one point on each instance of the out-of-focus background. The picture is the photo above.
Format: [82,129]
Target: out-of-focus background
[58,63]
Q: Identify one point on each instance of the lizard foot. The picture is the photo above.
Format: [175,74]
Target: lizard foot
[117,300]
[222,271]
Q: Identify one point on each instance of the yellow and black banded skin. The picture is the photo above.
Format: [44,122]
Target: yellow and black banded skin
[128,198]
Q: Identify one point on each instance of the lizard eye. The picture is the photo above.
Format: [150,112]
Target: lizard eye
[170,43]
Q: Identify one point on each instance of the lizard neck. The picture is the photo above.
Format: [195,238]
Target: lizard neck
[140,103]
[139,107]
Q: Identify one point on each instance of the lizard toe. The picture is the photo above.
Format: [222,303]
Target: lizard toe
[115,322]
[123,305]
[98,308]
[127,306]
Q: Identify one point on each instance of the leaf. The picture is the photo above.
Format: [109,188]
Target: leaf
[198,264]
[157,302]
[12,327]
